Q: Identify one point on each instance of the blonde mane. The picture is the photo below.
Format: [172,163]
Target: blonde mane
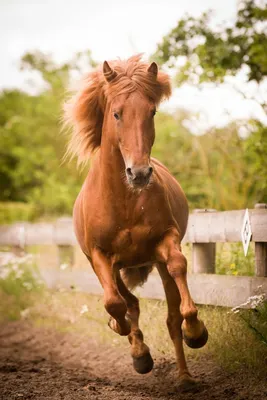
[84,112]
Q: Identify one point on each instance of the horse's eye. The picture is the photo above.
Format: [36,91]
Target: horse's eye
[154,112]
[116,116]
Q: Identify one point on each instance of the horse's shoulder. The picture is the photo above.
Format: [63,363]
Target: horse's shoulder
[166,175]
[156,162]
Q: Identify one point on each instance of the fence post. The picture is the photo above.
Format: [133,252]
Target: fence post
[260,251]
[19,248]
[203,254]
[65,251]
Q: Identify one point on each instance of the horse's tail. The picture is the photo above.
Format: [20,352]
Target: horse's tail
[133,277]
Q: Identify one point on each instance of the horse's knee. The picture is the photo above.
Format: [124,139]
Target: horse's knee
[115,306]
[177,264]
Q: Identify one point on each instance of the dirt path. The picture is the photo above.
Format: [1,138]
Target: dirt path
[38,363]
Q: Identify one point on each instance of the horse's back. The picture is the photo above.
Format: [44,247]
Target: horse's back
[176,196]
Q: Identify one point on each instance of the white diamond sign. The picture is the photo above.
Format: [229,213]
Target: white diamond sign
[246,232]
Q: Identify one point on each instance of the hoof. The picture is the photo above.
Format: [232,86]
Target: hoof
[143,364]
[197,343]
[187,384]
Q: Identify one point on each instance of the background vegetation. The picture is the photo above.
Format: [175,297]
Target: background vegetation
[220,169]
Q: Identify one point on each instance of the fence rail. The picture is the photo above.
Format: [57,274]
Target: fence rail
[205,229]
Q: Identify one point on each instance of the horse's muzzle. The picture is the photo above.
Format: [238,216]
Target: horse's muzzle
[138,177]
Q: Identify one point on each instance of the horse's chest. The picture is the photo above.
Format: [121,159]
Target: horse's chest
[121,240]
[134,246]
[133,239]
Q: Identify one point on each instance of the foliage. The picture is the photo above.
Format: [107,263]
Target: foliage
[15,211]
[217,170]
[18,281]
[256,150]
[230,259]
[211,53]
[234,169]
[255,316]
[31,146]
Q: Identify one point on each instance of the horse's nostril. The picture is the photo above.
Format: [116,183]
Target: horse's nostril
[139,174]
[129,171]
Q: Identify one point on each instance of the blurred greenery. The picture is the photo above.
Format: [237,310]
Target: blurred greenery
[230,259]
[14,211]
[225,162]
[213,52]
[31,146]
[220,169]
[19,285]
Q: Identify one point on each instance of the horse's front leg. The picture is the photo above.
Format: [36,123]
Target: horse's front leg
[142,360]
[169,252]
[174,321]
[113,301]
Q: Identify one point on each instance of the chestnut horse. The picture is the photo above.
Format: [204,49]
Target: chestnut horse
[131,214]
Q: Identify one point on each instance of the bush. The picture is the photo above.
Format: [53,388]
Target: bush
[19,281]
[16,211]
[230,259]
[256,316]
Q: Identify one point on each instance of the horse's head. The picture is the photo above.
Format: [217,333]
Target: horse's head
[119,102]
[132,117]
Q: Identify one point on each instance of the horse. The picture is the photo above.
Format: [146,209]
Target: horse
[131,214]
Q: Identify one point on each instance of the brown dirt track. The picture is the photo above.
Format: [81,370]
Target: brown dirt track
[38,363]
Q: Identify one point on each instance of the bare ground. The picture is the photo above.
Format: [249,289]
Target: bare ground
[39,363]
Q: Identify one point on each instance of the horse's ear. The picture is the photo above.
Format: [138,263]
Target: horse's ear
[108,72]
[153,68]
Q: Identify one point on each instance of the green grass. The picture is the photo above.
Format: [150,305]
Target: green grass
[19,284]
[11,212]
[230,259]
[232,341]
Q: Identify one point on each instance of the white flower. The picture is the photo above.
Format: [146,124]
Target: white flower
[24,313]
[27,285]
[84,309]
[5,258]
[252,302]
[63,266]
[19,274]
[4,273]
[12,259]
[25,259]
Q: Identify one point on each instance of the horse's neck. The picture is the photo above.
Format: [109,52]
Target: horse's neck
[111,173]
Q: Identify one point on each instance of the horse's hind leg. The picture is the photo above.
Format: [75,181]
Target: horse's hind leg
[169,252]
[174,321]
[113,301]
[142,360]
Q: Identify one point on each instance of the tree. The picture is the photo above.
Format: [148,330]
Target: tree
[211,54]
[31,146]
[211,168]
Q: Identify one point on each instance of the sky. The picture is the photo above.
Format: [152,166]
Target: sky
[111,29]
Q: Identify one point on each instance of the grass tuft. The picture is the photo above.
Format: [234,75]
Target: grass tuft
[19,284]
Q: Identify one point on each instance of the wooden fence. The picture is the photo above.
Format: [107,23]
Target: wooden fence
[205,229]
